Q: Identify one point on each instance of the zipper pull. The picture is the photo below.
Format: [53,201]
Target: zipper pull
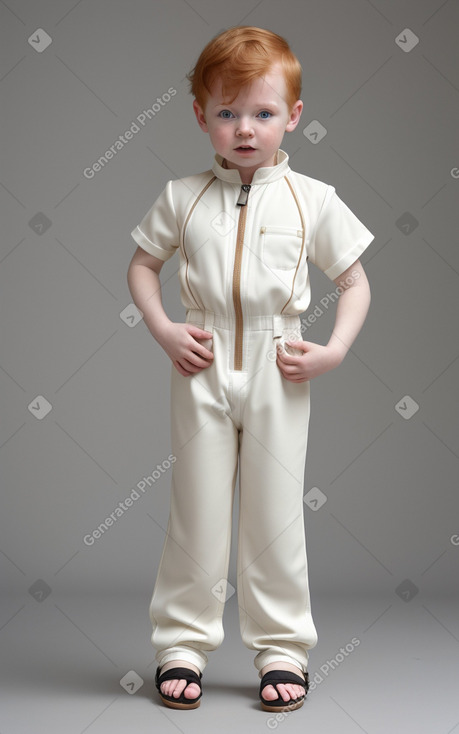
[244,195]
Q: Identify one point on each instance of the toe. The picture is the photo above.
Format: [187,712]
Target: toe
[286,691]
[178,690]
[269,693]
[192,690]
[175,688]
[168,688]
[295,691]
[171,688]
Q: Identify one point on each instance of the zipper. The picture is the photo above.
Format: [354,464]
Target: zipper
[238,337]
[244,195]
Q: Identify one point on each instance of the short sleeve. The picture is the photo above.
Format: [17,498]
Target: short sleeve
[339,238]
[158,232]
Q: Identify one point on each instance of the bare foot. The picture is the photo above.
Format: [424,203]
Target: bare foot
[288,691]
[177,686]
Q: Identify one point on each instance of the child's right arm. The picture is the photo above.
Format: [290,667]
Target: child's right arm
[178,340]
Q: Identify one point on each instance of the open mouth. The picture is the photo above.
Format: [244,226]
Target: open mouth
[245,147]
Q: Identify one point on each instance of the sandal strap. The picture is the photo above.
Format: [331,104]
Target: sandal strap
[177,673]
[272,677]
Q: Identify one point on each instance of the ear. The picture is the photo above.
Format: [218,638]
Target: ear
[200,117]
[295,115]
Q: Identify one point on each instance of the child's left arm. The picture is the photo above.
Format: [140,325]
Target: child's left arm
[351,311]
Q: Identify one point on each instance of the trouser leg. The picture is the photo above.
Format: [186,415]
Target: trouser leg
[272,580]
[188,599]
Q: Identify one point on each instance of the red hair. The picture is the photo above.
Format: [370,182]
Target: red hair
[240,55]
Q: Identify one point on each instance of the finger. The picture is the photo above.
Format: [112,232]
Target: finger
[291,376]
[202,351]
[191,366]
[288,365]
[304,344]
[197,361]
[295,377]
[180,369]
[185,367]
[296,344]
[197,332]
[199,335]
[286,357]
[296,349]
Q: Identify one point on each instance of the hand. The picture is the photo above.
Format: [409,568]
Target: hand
[181,343]
[314,361]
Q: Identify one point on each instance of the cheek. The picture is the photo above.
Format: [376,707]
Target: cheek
[221,135]
[273,131]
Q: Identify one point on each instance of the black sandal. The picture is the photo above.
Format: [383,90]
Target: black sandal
[273,677]
[179,673]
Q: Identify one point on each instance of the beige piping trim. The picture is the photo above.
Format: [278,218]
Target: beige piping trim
[183,236]
[302,242]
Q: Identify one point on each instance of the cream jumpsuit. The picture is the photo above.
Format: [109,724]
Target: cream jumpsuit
[243,277]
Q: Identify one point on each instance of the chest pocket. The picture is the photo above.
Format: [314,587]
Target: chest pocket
[280,246]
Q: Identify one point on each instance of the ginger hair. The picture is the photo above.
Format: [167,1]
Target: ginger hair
[237,57]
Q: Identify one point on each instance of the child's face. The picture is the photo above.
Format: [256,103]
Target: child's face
[258,117]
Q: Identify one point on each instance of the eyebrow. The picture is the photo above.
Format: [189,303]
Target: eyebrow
[255,104]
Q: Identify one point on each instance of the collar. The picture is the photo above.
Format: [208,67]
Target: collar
[261,175]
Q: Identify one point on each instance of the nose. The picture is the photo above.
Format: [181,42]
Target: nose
[244,127]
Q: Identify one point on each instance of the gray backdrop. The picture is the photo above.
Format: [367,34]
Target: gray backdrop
[85,388]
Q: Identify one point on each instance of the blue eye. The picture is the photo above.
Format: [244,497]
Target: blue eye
[268,114]
[225,114]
